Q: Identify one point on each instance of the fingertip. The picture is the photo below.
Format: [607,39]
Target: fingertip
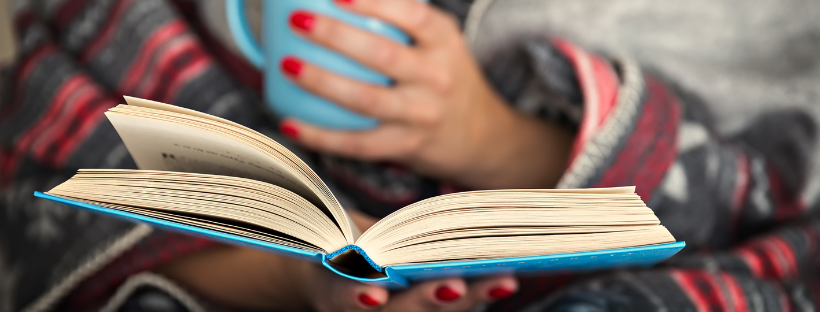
[503,288]
[290,128]
[292,66]
[372,297]
[449,291]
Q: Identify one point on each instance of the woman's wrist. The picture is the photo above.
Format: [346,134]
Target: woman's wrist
[242,278]
[517,151]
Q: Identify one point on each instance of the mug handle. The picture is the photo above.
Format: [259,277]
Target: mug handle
[241,32]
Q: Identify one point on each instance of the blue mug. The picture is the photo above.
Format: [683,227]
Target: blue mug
[279,41]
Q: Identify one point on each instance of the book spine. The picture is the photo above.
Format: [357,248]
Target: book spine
[358,250]
[390,279]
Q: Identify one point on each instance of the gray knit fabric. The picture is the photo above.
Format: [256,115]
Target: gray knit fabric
[744,58]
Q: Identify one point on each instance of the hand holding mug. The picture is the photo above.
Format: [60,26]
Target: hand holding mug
[440,117]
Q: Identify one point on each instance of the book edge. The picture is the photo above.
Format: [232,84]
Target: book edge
[186,229]
[393,280]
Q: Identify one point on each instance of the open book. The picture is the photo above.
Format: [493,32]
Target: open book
[209,176]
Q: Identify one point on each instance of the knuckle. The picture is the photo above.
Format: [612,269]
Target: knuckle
[421,16]
[367,100]
[320,142]
[442,80]
[368,151]
[456,43]
[429,115]
[410,146]
[332,35]
[450,22]
[355,148]
[384,53]
[313,79]
[324,30]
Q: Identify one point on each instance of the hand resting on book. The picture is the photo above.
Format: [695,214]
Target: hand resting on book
[253,279]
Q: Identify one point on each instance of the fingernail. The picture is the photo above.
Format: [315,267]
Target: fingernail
[500,293]
[289,130]
[445,293]
[347,2]
[368,301]
[292,66]
[302,20]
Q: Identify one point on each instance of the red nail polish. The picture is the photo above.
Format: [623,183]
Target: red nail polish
[368,301]
[302,20]
[500,293]
[346,2]
[289,130]
[292,66]
[445,293]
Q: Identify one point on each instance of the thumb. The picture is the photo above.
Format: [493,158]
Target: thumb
[369,297]
[348,295]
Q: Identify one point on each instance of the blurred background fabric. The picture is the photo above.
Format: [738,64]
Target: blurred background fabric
[744,59]
[7,44]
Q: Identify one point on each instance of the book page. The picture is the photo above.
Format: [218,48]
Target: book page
[513,223]
[171,108]
[168,138]
[158,145]
[240,203]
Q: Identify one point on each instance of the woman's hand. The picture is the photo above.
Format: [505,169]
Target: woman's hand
[441,118]
[251,279]
[330,292]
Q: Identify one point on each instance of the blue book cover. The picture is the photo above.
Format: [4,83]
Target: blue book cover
[396,277]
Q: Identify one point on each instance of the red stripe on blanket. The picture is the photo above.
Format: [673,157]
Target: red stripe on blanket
[88,118]
[687,285]
[68,10]
[751,259]
[54,112]
[815,292]
[812,238]
[24,69]
[164,34]
[786,255]
[189,72]
[7,168]
[741,190]
[236,65]
[770,264]
[44,147]
[735,293]
[599,84]
[173,71]
[27,65]
[108,28]
[22,21]
[710,286]
[783,298]
[650,148]
[34,133]
[708,291]
[157,76]
[787,206]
